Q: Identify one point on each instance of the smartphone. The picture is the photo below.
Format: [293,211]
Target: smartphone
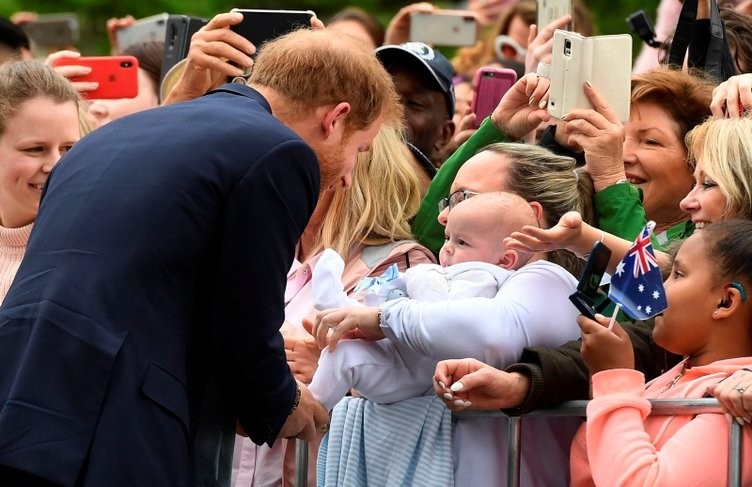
[178,32]
[117,75]
[147,29]
[550,10]
[588,288]
[489,85]
[605,61]
[259,26]
[54,30]
[444,27]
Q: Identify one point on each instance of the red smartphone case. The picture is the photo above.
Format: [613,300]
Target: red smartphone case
[117,75]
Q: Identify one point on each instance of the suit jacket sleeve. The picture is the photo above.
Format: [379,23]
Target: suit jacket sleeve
[265,216]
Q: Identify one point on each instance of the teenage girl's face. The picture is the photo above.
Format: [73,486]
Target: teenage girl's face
[33,141]
[693,291]
[705,203]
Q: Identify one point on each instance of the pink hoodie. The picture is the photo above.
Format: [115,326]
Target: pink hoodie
[625,446]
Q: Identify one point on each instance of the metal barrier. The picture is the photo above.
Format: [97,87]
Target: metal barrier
[660,407]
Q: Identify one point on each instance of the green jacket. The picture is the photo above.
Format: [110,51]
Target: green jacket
[619,211]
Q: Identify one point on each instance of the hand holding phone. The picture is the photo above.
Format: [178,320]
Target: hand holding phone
[489,86]
[259,25]
[116,76]
[588,289]
[444,27]
[550,10]
[603,61]
[147,29]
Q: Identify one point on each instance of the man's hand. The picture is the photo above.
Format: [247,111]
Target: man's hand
[469,383]
[307,418]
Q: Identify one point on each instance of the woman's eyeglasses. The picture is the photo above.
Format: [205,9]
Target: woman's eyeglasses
[454,198]
[507,48]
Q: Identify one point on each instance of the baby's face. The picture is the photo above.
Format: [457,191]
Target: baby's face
[468,239]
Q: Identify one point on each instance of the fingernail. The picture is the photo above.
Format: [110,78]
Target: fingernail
[729,417]
[467,404]
[588,84]
[543,104]
[442,385]
[532,101]
[749,421]
[565,117]
[740,421]
[448,396]
[457,386]
[460,403]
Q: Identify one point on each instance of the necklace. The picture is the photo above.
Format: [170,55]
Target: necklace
[676,379]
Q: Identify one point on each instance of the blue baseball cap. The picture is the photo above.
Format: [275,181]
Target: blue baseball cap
[434,63]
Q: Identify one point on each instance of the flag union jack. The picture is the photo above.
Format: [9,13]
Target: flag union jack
[640,292]
[641,252]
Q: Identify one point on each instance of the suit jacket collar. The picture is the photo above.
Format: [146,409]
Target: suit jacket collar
[243,90]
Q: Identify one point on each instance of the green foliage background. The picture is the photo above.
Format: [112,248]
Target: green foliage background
[608,15]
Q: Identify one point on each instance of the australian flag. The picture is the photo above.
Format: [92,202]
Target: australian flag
[637,284]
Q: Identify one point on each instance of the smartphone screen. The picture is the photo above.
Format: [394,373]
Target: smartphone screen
[117,75]
[588,288]
[259,26]
[550,10]
[489,86]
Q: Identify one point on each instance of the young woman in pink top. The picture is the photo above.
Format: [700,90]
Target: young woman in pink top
[709,321]
[38,124]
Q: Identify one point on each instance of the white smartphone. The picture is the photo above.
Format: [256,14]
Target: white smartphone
[444,27]
[147,29]
[550,10]
[604,61]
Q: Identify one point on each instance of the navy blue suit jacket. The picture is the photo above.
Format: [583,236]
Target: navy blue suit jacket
[158,259]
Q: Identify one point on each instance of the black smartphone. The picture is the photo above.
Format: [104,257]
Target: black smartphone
[259,26]
[588,289]
[179,30]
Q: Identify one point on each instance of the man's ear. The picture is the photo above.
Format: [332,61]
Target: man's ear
[334,118]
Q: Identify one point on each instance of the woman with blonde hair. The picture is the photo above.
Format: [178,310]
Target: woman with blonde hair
[368,225]
[38,124]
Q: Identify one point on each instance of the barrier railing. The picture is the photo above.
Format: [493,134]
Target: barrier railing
[660,407]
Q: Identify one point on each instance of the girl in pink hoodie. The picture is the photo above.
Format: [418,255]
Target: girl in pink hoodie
[709,320]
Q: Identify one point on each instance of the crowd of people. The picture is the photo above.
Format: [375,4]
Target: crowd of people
[309,239]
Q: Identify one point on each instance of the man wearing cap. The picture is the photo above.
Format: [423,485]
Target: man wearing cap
[14,43]
[423,79]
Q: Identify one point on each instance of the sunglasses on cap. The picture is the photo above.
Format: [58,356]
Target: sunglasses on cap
[507,48]
[453,199]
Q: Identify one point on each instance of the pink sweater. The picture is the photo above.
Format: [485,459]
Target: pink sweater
[12,247]
[625,446]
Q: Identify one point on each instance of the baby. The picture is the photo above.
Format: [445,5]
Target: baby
[474,263]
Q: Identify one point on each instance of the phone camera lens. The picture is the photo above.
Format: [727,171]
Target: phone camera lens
[126,64]
[567,47]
